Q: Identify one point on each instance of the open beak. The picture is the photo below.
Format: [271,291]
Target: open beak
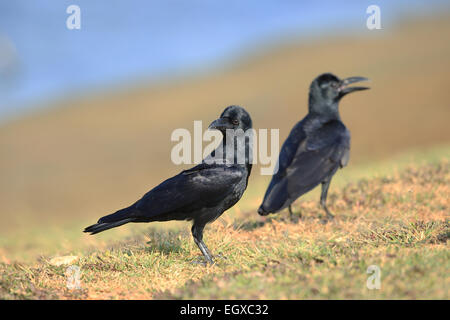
[221,124]
[345,89]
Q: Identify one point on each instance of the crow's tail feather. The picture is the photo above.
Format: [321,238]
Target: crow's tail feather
[99,227]
[262,211]
[116,219]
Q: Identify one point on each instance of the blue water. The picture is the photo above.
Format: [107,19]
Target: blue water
[122,41]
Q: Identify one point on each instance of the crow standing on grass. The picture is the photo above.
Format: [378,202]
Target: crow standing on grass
[315,149]
[200,194]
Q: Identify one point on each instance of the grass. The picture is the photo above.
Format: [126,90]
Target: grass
[398,222]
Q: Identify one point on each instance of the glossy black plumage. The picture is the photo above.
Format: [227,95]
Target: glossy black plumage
[315,149]
[200,194]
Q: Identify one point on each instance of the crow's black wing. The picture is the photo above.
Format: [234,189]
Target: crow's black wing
[321,154]
[305,161]
[200,187]
[289,148]
[276,193]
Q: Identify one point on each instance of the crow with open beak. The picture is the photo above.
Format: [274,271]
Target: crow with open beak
[315,149]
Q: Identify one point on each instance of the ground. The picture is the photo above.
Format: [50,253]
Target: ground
[397,222]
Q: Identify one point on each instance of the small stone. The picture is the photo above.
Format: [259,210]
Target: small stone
[58,261]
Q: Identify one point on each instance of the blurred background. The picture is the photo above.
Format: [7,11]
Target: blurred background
[86,115]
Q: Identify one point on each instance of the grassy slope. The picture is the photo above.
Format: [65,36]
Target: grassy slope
[398,221]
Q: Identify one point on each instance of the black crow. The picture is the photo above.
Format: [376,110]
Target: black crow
[200,194]
[315,149]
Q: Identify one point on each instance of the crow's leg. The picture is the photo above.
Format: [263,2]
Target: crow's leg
[323,198]
[197,233]
[291,215]
[290,212]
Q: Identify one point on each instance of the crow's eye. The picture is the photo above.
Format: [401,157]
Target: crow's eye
[235,122]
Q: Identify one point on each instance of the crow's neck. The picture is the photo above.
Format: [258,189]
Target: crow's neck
[323,110]
[238,152]
[234,152]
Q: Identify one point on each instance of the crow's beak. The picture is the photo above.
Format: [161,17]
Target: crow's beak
[221,124]
[344,89]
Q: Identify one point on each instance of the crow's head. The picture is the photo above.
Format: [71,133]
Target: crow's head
[328,90]
[233,117]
